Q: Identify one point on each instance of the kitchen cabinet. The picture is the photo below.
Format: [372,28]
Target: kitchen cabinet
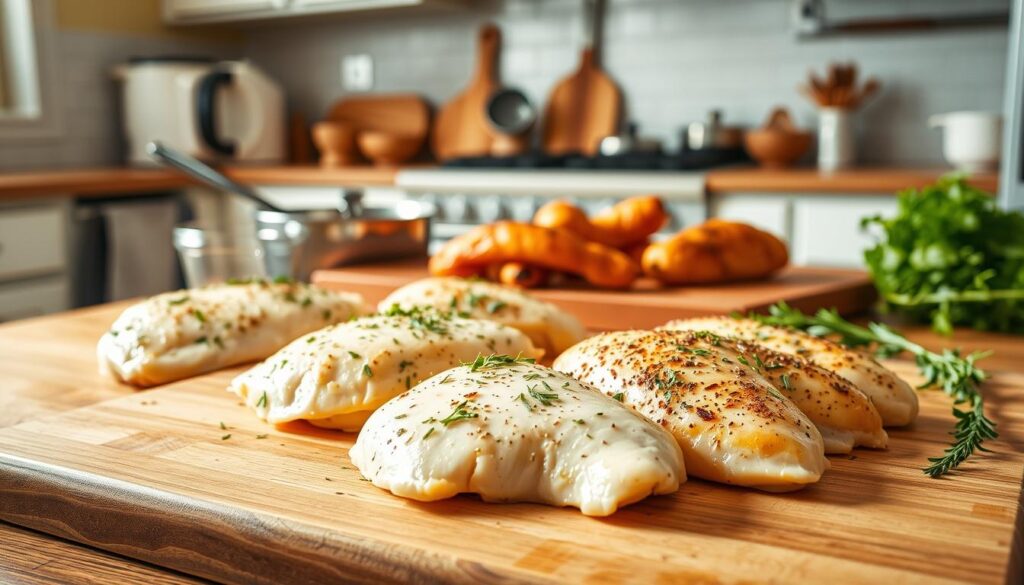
[203,11]
[34,258]
[822,229]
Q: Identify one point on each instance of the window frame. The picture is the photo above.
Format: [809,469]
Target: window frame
[48,122]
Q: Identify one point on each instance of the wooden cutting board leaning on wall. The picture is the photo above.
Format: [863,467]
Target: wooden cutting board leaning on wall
[461,128]
[586,106]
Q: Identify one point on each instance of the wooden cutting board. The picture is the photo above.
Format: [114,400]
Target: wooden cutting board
[461,128]
[648,304]
[153,476]
[582,109]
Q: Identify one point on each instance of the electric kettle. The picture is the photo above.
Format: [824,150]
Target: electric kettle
[215,111]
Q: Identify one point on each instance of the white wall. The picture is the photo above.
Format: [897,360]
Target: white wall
[88,98]
[674,59]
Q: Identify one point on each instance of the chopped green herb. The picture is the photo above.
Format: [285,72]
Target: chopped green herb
[367,371]
[179,301]
[757,360]
[460,413]
[199,315]
[775,393]
[202,339]
[495,306]
[355,355]
[262,401]
[218,341]
[494,361]
[326,314]
[307,302]
[618,396]
[430,432]
[785,382]
[579,421]
[311,339]
[264,436]
[282,279]
[223,427]
[545,398]
[226,437]
[522,398]
[403,415]
[743,360]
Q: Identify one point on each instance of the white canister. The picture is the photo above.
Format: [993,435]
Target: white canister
[837,145]
[971,141]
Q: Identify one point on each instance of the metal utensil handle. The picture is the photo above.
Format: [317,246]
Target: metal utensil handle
[205,173]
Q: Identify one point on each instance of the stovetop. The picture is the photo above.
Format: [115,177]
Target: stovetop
[688,160]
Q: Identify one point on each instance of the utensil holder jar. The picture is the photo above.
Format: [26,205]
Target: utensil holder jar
[837,146]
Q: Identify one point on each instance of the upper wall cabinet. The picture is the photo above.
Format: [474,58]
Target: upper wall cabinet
[202,11]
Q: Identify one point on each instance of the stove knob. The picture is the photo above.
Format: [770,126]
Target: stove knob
[490,209]
[457,209]
[523,208]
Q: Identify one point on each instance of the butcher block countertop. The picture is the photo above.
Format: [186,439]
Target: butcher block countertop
[874,518]
[881,181]
[113,181]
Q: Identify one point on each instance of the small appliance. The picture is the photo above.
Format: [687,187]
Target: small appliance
[215,111]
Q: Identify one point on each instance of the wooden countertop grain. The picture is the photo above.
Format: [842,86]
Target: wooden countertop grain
[873,181]
[49,367]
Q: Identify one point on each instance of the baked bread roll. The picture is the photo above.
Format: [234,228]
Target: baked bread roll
[622,225]
[715,251]
[470,254]
[548,326]
[185,333]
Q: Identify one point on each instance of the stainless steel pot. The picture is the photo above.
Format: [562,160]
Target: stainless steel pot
[712,134]
[299,242]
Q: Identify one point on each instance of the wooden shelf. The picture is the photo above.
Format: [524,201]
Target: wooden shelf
[880,181]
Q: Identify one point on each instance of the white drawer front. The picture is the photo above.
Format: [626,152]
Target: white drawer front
[32,241]
[33,298]
[826,232]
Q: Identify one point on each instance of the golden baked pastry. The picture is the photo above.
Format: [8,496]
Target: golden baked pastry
[715,251]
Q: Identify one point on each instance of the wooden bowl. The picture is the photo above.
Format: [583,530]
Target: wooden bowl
[336,142]
[776,148]
[389,148]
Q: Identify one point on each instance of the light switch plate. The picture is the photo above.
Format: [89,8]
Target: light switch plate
[357,72]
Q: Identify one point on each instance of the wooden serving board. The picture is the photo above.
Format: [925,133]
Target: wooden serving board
[152,476]
[648,304]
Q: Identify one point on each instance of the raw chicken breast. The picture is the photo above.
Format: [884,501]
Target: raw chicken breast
[516,432]
[732,424]
[895,400]
[336,377]
[180,334]
[549,327]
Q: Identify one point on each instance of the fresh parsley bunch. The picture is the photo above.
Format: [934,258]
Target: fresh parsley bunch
[952,257]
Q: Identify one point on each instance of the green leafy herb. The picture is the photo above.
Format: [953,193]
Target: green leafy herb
[199,315]
[178,301]
[367,371]
[495,361]
[618,396]
[786,385]
[311,339]
[282,279]
[951,256]
[262,401]
[579,421]
[956,375]
[522,398]
[356,356]
[424,318]
[226,437]
[461,412]
[263,436]
[495,306]
[545,398]
[429,432]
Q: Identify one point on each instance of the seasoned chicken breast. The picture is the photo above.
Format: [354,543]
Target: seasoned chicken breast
[844,416]
[180,334]
[516,432]
[895,400]
[550,328]
[336,377]
[732,424]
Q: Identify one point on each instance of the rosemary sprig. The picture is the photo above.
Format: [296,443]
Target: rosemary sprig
[460,413]
[956,375]
[494,361]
